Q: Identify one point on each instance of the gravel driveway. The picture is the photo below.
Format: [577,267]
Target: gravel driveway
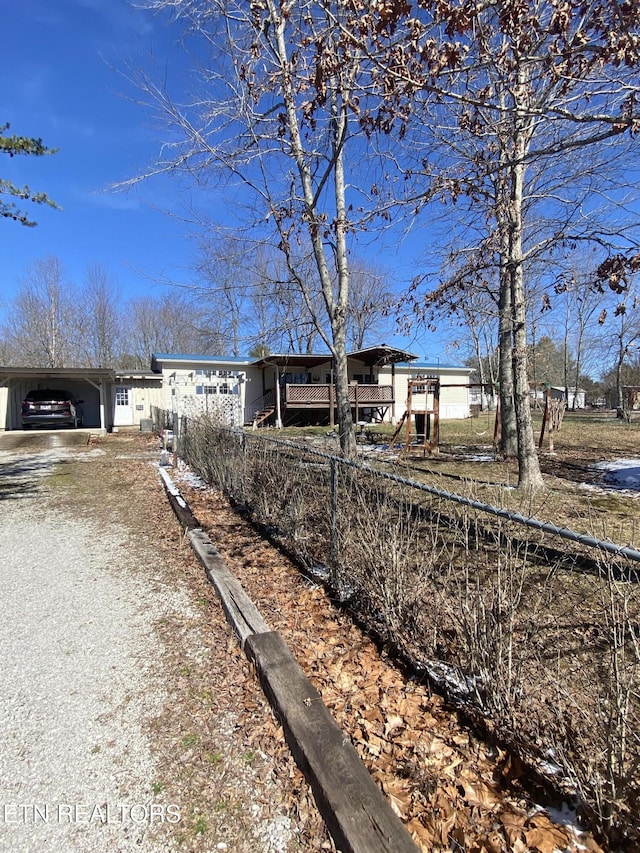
[85,679]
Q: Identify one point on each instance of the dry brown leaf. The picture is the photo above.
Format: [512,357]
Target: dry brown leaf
[546,837]
[590,844]
[445,827]
[394,723]
[480,794]
[400,806]
[513,826]
[437,747]
[450,769]
[421,835]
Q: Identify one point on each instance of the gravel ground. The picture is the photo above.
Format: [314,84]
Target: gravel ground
[83,682]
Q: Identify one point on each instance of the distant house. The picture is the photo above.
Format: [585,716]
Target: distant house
[575,397]
[538,393]
[299,388]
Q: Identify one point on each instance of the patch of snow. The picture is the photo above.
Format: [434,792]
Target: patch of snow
[188,477]
[565,816]
[621,473]
[551,769]
[621,476]
[450,678]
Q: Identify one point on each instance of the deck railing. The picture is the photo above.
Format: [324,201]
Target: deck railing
[321,395]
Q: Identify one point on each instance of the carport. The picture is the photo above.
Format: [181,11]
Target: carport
[91,385]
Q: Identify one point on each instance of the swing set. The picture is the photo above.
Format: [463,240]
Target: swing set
[423,406]
[423,410]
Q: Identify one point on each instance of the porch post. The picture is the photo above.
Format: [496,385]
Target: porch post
[332,397]
[278,401]
[103,426]
[394,415]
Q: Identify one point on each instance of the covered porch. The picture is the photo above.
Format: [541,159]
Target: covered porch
[300,387]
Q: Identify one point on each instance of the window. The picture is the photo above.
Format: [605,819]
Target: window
[122,396]
[210,389]
[300,378]
[224,388]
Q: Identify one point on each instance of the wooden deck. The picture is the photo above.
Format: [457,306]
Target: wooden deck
[368,401]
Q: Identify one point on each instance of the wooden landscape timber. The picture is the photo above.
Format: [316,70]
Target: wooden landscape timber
[356,813]
[353,808]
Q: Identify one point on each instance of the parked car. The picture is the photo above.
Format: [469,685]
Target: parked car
[50,408]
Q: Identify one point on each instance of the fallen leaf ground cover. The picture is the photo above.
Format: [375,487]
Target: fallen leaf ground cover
[453,790]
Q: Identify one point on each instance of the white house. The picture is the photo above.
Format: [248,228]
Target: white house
[298,388]
[290,388]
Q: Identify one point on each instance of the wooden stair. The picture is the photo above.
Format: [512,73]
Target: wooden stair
[261,416]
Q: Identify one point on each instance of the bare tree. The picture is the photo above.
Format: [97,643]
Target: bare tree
[98,319]
[624,340]
[224,292]
[582,303]
[370,301]
[521,87]
[275,112]
[247,294]
[40,321]
[166,324]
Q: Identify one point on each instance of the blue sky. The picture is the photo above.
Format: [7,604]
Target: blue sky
[64,63]
[65,81]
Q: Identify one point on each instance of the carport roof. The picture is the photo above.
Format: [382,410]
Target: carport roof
[57,373]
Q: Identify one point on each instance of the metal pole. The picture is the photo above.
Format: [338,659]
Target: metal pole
[334,517]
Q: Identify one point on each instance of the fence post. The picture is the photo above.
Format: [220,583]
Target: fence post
[334,518]
[243,469]
[176,434]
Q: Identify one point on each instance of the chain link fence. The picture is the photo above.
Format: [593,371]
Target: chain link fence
[532,629]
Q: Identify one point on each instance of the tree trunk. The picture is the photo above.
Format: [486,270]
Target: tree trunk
[529,474]
[574,404]
[508,430]
[508,436]
[490,350]
[336,304]
[340,314]
[565,357]
[619,392]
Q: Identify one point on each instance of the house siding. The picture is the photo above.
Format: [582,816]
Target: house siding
[454,391]
[145,394]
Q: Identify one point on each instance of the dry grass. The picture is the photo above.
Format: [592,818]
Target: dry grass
[466,466]
[221,755]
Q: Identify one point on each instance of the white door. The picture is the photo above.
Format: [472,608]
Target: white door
[123,414]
